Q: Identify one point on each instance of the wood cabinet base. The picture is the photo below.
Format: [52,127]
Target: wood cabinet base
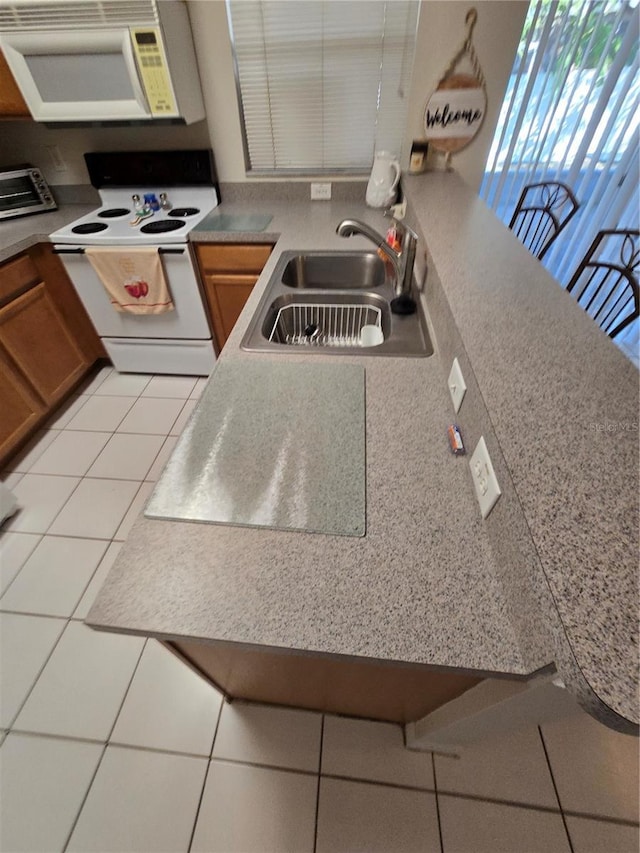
[360,688]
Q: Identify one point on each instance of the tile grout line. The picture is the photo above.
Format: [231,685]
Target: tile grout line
[37,678]
[555,788]
[317,815]
[204,781]
[126,692]
[435,786]
[84,799]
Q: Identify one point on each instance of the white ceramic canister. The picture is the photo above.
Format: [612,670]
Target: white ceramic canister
[385,175]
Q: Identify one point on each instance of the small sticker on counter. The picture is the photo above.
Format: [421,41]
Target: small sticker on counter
[455,440]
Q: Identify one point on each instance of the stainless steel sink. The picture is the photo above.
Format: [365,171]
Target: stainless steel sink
[320,301]
[348,271]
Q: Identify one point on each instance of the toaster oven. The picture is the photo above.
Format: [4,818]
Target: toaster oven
[23,191]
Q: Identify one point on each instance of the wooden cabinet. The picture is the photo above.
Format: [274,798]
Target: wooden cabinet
[47,343]
[21,410]
[12,104]
[229,272]
[34,335]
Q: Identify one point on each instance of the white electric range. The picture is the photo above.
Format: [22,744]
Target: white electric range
[179,341]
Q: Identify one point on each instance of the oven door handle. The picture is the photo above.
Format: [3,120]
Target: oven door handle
[81,251]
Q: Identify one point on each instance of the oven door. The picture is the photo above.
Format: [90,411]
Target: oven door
[187,321]
[77,76]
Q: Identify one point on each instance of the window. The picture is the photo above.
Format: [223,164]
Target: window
[322,84]
[571,114]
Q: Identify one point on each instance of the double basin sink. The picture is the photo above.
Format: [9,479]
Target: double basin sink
[334,303]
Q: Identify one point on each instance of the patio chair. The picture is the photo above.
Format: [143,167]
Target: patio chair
[605,283]
[543,210]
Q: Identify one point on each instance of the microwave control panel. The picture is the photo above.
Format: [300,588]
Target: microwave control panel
[152,65]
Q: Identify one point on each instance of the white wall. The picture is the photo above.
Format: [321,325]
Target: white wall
[440,32]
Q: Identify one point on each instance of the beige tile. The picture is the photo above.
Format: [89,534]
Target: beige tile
[15,549]
[162,458]
[355,816]
[70,453]
[472,826]
[140,802]
[168,706]
[11,479]
[599,836]
[170,386]
[43,782]
[595,769]
[255,810]
[137,506]
[92,383]
[96,508]
[83,684]
[40,498]
[127,457]
[512,767]
[199,387]
[27,642]
[366,750]
[151,415]
[97,580]
[278,737]
[54,577]
[122,385]
[183,417]
[65,413]
[101,414]
[31,452]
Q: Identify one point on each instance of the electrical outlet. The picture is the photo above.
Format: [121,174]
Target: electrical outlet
[320,192]
[457,387]
[484,478]
[56,158]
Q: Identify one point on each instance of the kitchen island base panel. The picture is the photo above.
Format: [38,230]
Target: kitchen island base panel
[376,690]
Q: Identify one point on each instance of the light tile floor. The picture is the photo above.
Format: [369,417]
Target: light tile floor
[110,744]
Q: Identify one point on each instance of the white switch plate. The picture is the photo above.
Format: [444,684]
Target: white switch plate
[484,478]
[320,192]
[457,385]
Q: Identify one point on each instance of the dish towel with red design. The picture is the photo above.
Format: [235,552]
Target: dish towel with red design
[134,279]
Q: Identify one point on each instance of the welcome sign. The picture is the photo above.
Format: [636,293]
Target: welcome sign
[454,113]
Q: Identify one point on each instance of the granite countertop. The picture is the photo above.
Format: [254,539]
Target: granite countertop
[550,577]
[419,587]
[21,233]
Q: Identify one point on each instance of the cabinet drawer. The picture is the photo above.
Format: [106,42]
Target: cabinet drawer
[16,275]
[232,257]
[230,279]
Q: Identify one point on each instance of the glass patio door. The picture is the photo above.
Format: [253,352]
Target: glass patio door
[572,113]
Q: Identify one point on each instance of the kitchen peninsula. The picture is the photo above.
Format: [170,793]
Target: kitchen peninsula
[549,579]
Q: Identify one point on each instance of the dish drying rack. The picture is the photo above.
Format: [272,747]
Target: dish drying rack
[324,325]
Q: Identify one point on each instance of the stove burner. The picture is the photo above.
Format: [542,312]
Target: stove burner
[184,211]
[89,228]
[162,225]
[113,212]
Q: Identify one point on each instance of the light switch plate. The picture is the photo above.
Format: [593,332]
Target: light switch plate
[484,478]
[457,387]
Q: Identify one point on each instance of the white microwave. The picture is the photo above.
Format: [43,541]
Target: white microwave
[89,62]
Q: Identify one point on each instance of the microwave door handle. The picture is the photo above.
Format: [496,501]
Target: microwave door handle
[132,67]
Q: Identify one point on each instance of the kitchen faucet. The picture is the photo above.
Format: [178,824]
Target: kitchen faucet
[402,261]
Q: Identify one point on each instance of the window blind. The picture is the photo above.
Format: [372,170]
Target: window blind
[322,84]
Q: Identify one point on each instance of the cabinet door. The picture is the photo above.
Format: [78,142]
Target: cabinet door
[227,295]
[12,104]
[36,338]
[20,409]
